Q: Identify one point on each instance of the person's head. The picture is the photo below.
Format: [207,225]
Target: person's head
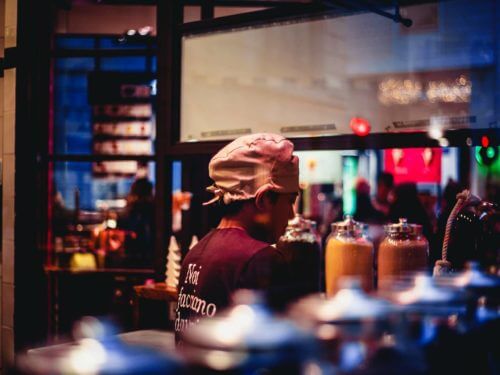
[265,217]
[385,183]
[362,187]
[256,180]
[141,189]
[450,192]
[406,193]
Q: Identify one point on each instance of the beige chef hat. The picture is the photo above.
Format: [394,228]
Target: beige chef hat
[251,165]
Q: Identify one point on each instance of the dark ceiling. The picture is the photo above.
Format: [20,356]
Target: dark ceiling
[239,2]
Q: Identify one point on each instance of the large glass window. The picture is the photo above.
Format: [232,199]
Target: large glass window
[98,185]
[104,104]
[331,177]
[105,208]
[103,170]
[340,75]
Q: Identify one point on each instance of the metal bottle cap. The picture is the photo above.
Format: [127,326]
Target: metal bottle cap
[299,230]
[349,226]
[402,227]
[299,223]
[426,297]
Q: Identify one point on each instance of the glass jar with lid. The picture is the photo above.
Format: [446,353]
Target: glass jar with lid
[435,321]
[482,291]
[246,338]
[357,333]
[404,250]
[348,253]
[301,249]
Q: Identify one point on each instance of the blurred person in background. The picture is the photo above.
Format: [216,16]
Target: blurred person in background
[61,215]
[365,211]
[385,185]
[333,213]
[429,202]
[138,218]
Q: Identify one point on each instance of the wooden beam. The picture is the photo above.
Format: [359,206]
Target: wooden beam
[456,138]
[169,15]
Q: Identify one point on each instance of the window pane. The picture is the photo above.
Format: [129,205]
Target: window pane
[154,63]
[70,64]
[124,64]
[105,209]
[338,177]
[72,112]
[122,43]
[74,43]
[105,113]
[192,14]
[329,73]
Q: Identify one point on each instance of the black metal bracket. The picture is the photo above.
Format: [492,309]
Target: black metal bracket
[367,5]
[249,3]
[9,61]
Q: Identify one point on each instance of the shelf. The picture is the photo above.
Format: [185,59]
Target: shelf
[121,271]
[158,291]
[99,157]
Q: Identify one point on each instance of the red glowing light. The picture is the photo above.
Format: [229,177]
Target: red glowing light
[485,142]
[360,126]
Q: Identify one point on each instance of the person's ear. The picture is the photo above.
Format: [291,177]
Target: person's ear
[262,201]
[263,207]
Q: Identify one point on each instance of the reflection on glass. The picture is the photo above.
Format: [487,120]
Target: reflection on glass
[310,78]
[380,186]
[103,214]
[181,200]
[103,104]
[128,64]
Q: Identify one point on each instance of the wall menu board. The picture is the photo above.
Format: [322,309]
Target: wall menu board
[122,119]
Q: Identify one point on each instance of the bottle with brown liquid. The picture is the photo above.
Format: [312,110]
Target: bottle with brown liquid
[301,250]
[403,250]
[348,253]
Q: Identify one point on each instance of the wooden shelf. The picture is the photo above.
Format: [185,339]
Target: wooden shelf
[122,271]
[158,291]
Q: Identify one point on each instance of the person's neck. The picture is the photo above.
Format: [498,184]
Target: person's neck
[253,231]
[232,222]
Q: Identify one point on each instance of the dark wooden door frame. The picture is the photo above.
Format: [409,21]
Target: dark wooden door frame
[31,148]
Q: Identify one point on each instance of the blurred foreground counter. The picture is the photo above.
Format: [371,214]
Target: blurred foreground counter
[137,352]
[162,341]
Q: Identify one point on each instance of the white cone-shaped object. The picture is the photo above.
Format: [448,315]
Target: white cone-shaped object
[173,245]
[194,241]
[173,267]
